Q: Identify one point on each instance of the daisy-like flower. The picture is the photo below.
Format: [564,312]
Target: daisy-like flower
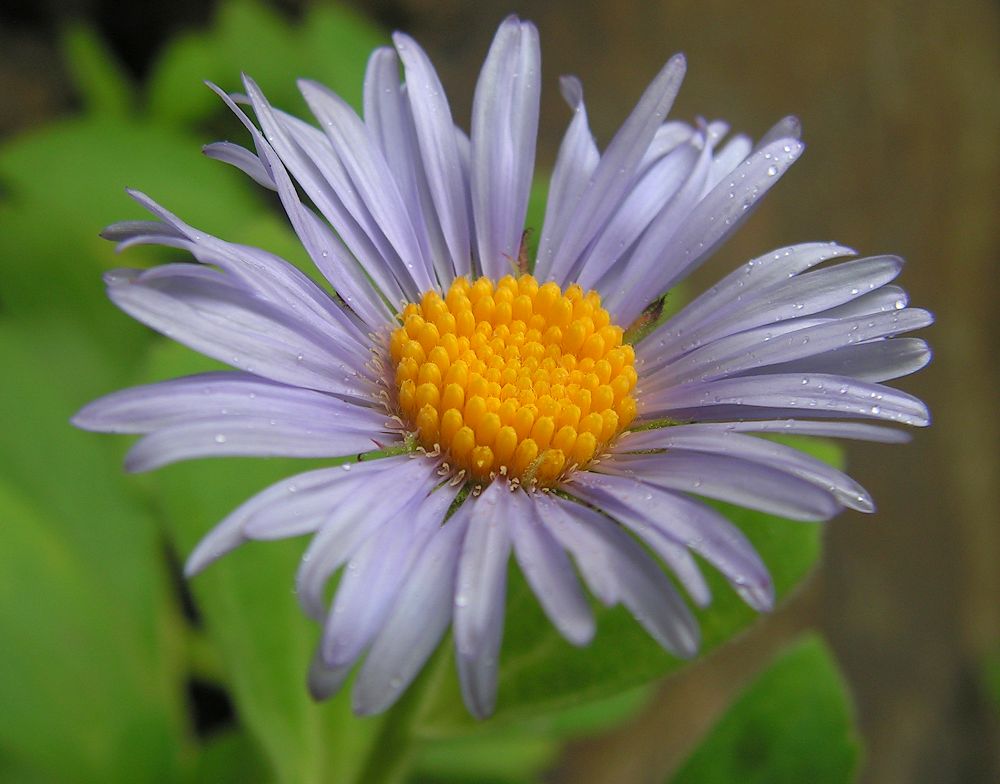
[508,411]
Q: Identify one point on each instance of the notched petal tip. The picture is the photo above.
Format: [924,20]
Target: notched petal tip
[323,681]
[759,597]
[120,277]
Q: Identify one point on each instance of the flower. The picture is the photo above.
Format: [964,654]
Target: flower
[507,410]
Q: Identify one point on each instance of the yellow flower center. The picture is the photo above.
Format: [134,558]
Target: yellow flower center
[513,378]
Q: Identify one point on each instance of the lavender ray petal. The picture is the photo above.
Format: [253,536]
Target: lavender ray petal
[504,129]
[667,138]
[786,128]
[616,169]
[728,442]
[439,149]
[417,621]
[774,394]
[244,160]
[308,156]
[390,124]
[549,572]
[349,525]
[369,171]
[480,589]
[620,283]
[374,575]
[640,506]
[758,348]
[670,340]
[726,160]
[150,407]
[210,314]
[575,163]
[276,435]
[270,508]
[152,232]
[707,226]
[270,277]
[323,681]
[302,504]
[618,570]
[647,198]
[882,300]
[726,477]
[876,361]
[860,431]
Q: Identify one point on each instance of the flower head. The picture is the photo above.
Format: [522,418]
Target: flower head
[507,407]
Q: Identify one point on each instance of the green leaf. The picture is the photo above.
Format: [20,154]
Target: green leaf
[252,617]
[331,45]
[540,673]
[991,680]
[524,751]
[229,758]
[793,724]
[88,666]
[99,79]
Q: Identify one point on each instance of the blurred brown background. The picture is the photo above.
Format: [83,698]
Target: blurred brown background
[901,107]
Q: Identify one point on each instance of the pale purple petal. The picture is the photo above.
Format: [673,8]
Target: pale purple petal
[860,431]
[658,185]
[759,348]
[480,589]
[726,477]
[307,154]
[671,338]
[325,681]
[708,225]
[615,172]
[417,621]
[390,123]
[879,360]
[618,570]
[368,170]
[375,573]
[642,263]
[549,572]
[504,129]
[575,164]
[883,300]
[293,506]
[727,442]
[247,436]
[775,395]
[206,311]
[439,148]
[269,277]
[221,394]
[728,158]
[641,506]
[244,160]
[786,128]
[385,497]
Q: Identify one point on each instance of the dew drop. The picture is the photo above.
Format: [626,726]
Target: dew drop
[220,439]
[772,170]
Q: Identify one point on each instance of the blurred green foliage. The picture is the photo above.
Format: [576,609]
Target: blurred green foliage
[793,724]
[97,653]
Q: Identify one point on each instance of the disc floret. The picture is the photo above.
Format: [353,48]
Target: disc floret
[513,378]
